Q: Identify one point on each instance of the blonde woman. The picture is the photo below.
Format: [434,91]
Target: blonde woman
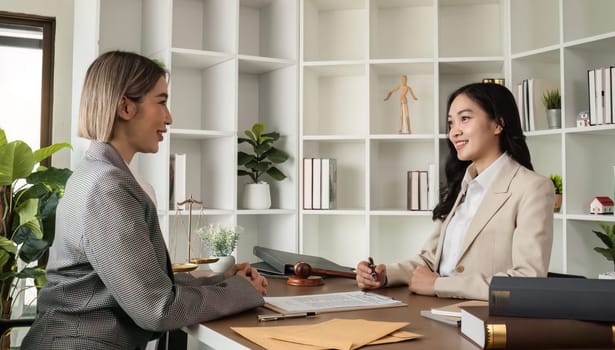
[110,284]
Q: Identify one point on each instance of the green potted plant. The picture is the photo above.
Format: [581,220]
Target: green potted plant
[553,103]
[607,236]
[220,240]
[557,184]
[28,200]
[260,159]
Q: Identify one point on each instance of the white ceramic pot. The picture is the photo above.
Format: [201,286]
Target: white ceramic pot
[256,196]
[223,264]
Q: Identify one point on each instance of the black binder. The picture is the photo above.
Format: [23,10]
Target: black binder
[282,262]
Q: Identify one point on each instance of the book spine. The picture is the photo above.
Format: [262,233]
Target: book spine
[307,183]
[591,87]
[269,257]
[423,190]
[179,180]
[316,183]
[325,182]
[564,298]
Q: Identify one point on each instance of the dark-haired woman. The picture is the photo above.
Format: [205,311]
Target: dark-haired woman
[495,217]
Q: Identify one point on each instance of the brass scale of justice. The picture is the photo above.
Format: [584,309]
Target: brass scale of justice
[191,263]
[304,274]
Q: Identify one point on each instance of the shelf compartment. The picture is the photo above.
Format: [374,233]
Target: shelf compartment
[204,98]
[384,115]
[333,100]
[211,187]
[209,25]
[545,65]
[335,30]
[592,175]
[351,169]
[391,21]
[268,28]
[534,24]
[197,59]
[271,231]
[398,238]
[589,18]
[388,189]
[542,148]
[328,236]
[582,259]
[578,59]
[270,97]
[128,35]
[471,28]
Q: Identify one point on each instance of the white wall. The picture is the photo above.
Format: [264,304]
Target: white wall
[62,10]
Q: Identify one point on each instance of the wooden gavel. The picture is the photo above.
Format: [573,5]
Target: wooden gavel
[305,275]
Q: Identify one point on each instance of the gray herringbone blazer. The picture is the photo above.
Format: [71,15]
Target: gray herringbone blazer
[109,280]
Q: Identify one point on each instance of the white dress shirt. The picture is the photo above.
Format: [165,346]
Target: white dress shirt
[475,186]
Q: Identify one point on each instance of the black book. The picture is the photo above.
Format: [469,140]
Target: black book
[568,298]
[283,262]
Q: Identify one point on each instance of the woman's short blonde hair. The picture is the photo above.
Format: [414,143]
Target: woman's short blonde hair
[110,77]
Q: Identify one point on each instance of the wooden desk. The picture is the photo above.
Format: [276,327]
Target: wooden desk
[436,335]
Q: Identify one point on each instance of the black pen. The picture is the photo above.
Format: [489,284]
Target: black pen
[273,317]
[373,267]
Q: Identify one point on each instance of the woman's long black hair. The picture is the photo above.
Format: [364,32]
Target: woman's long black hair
[499,104]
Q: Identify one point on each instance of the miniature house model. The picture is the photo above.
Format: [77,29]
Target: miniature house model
[601,205]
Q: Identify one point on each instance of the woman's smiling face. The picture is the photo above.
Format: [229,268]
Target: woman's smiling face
[474,134]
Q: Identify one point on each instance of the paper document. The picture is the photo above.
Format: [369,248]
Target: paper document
[329,302]
[332,334]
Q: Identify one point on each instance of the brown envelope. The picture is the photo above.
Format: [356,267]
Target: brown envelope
[333,334]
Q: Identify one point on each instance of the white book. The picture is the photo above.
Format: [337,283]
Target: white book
[423,190]
[606,82]
[612,96]
[433,189]
[591,87]
[599,97]
[521,106]
[179,180]
[307,183]
[328,183]
[413,190]
[316,183]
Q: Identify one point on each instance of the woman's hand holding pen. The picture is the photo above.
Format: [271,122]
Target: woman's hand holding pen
[249,273]
[370,276]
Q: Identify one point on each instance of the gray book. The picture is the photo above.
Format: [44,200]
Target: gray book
[283,262]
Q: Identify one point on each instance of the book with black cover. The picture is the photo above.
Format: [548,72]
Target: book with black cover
[570,298]
[283,262]
[496,332]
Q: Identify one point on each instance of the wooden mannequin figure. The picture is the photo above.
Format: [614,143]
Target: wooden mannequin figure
[403,103]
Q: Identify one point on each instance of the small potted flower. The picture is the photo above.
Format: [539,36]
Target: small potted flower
[220,240]
[557,184]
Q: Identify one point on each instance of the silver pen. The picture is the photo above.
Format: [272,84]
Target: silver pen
[273,317]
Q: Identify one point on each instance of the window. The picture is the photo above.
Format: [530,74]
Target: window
[26,68]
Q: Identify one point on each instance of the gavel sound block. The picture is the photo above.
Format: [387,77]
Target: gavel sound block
[307,276]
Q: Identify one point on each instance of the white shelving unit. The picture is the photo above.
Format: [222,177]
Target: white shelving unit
[317,71]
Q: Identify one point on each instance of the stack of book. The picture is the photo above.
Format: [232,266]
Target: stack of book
[532,112]
[319,183]
[421,190]
[545,313]
[600,88]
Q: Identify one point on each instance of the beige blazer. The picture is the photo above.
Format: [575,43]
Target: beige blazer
[511,235]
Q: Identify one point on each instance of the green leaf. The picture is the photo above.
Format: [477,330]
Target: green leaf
[277,156]
[604,238]
[251,136]
[258,166]
[32,249]
[241,140]
[274,135]
[258,129]
[16,162]
[241,172]
[243,158]
[31,272]
[276,173]
[53,177]
[261,149]
[609,254]
[6,245]
[4,258]
[46,152]
[3,140]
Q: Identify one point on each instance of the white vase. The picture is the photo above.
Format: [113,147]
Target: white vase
[223,264]
[607,276]
[256,196]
